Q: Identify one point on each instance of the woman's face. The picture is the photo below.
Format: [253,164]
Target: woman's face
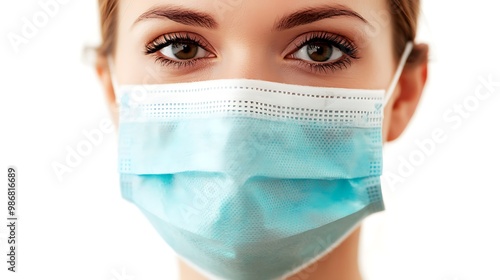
[330,43]
[326,43]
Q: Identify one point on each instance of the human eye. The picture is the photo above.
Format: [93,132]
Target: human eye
[178,49]
[323,51]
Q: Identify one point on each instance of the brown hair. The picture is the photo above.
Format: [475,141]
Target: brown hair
[405,20]
[404,15]
[108,10]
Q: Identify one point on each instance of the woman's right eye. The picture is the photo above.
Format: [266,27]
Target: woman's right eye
[178,49]
[183,51]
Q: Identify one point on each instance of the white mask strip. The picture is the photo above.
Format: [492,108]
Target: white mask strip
[399,70]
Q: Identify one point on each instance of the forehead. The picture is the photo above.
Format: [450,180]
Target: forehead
[252,13]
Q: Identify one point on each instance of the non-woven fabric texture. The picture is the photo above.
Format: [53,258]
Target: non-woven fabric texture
[251,179]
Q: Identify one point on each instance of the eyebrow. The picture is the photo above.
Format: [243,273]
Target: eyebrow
[180,15]
[201,19]
[311,15]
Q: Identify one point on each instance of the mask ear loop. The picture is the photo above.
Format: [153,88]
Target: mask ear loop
[399,70]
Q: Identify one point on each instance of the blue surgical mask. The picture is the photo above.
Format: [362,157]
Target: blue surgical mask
[250,179]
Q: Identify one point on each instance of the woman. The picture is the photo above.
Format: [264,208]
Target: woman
[241,228]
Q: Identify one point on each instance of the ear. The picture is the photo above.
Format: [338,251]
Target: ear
[102,69]
[410,87]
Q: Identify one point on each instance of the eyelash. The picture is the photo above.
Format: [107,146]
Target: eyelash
[168,39]
[349,50]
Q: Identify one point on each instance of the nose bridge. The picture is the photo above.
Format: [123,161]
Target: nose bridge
[247,60]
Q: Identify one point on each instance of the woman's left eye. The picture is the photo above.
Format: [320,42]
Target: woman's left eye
[320,52]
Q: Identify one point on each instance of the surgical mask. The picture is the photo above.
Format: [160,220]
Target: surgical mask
[250,179]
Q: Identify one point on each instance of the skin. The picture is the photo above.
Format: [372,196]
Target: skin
[245,45]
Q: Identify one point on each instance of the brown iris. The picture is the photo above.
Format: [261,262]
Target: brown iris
[185,50]
[320,51]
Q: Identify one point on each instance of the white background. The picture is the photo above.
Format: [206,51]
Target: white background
[442,222]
